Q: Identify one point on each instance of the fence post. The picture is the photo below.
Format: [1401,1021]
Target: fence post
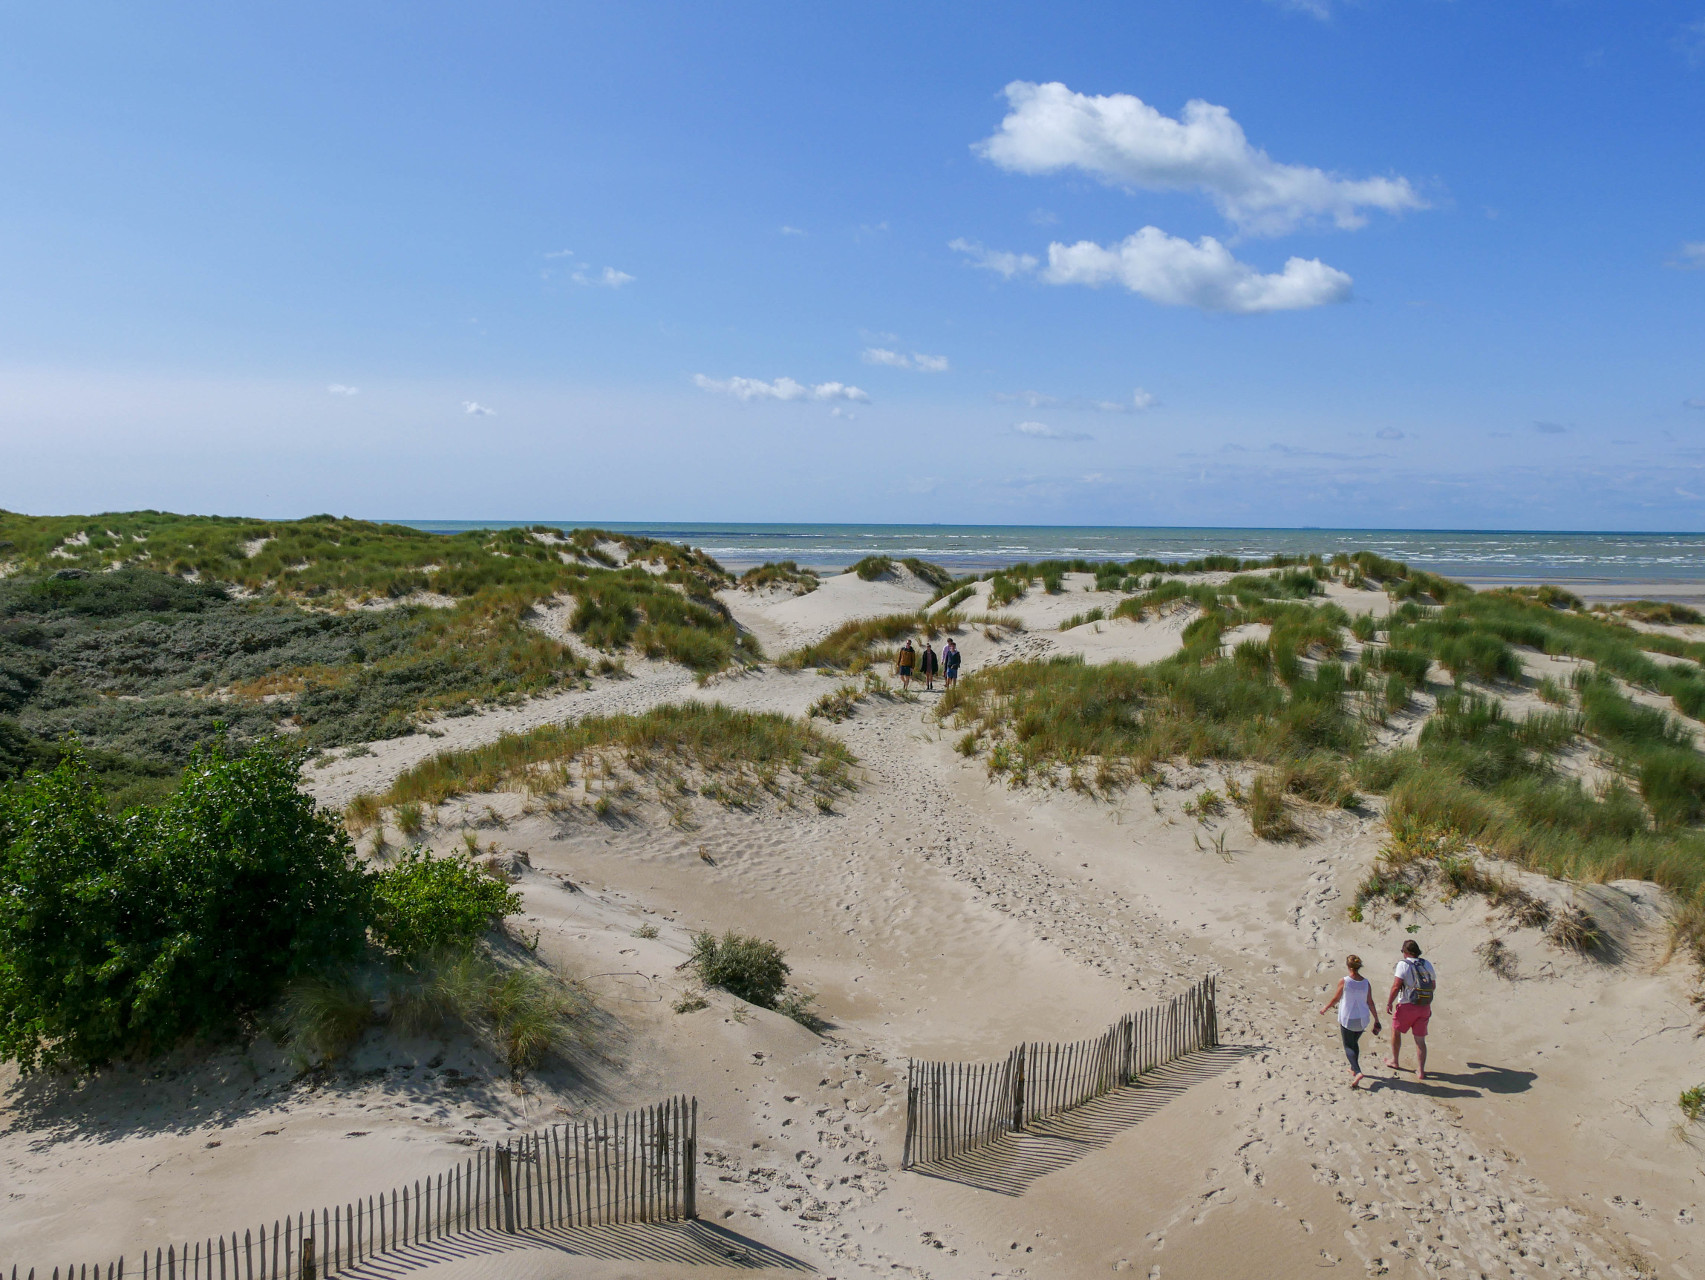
[308,1271]
[691,1148]
[1018,1090]
[506,1188]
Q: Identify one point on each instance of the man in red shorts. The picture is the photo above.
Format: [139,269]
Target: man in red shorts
[1412,994]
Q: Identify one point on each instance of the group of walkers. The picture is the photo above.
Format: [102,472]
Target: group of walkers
[1409,1004]
[911,665]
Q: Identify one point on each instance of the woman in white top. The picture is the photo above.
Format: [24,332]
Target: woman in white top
[1354,998]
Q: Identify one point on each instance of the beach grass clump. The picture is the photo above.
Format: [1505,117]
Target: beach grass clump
[785,573]
[873,568]
[740,754]
[1096,614]
[849,646]
[1004,589]
[754,970]
[929,572]
[1662,612]
[958,597]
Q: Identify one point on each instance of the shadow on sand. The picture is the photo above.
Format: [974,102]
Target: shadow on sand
[696,1243]
[1009,1165]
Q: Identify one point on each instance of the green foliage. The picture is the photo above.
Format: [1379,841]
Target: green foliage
[520,1011]
[1363,627]
[1081,619]
[708,736]
[930,572]
[848,646]
[423,903]
[1665,612]
[958,597]
[1692,1102]
[754,970]
[839,705]
[1003,590]
[121,936]
[871,568]
[780,573]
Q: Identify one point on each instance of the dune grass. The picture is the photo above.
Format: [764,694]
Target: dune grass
[780,573]
[848,647]
[706,737]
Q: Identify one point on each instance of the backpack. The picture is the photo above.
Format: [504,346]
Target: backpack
[1423,981]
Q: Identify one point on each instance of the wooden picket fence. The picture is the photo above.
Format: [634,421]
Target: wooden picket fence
[638,1166]
[954,1107]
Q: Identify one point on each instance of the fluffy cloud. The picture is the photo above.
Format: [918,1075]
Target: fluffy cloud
[1122,140]
[749,389]
[477,410]
[580,273]
[1690,257]
[1004,264]
[1140,400]
[1042,431]
[338,389]
[1173,271]
[899,360]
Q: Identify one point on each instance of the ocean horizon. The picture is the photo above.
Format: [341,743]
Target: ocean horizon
[1474,555]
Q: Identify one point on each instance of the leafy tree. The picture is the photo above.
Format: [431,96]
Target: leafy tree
[124,935]
[424,904]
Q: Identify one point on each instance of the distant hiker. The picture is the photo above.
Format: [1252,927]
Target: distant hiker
[1354,998]
[929,666]
[949,665]
[904,663]
[1412,989]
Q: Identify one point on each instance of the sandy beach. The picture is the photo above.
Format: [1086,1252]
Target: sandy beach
[940,914]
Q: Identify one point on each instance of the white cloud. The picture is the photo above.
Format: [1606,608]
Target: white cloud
[338,389]
[1173,271]
[1389,433]
[1690,257]
[475,409]
[1035,399]
[1122,140]
[791,231]
[749,389]
[899,360]
[1139,401]
[1321,9]
[608,278]
[1042,431]
[560,253]
[1006,264]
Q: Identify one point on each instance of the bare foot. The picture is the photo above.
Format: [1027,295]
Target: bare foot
[1356,1080]
[1420,1073]
[1393,1064]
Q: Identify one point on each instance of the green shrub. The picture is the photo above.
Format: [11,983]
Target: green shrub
[750,968]
[122,937]
[424,903]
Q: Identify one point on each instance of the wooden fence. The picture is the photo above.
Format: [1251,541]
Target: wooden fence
[953,1107]
[634,1167]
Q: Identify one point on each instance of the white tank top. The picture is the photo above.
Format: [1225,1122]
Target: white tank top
[1353,1011]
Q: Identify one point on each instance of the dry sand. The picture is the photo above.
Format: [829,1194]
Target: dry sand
[939,914]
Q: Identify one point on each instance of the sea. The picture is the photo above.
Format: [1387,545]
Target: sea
[1605,560]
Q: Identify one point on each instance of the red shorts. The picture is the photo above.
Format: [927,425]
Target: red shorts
[1411,1019]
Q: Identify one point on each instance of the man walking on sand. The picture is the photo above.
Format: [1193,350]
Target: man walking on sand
[949,664]
[1412,993]
[903,664]
[928,666]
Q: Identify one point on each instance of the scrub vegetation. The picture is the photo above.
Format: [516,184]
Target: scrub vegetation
[1307,720]
[233,907]
[145,635]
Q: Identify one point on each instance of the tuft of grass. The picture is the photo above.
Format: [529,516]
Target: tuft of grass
[849,646]
[1692,1102]
[1209,804]
[1003,590]
[958,598]
[750,968]
[1665,612]
[322,1016]
[838,705]
[1496,955]
[1268,816]
[522,1012]
[1573,930]
[873,568]
[780,573]
[411,819]
[1363,627]
[1079,619]
[363,812]
[1549,690]
[929,572]
[721,742]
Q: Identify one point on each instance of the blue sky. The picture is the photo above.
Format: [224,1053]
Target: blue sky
[1416,263]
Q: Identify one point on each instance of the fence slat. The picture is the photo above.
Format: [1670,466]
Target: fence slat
[954,1107]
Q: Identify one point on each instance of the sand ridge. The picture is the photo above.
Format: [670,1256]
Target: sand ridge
[939,913]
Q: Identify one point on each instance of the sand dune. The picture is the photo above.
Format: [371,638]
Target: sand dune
[938,913]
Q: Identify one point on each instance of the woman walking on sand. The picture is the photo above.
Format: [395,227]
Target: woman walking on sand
[949,665]
[928,667]
[1354,998]
[904,663]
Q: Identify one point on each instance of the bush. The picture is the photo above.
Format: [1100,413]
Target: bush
[750,968]
[423,903]
[125,936]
